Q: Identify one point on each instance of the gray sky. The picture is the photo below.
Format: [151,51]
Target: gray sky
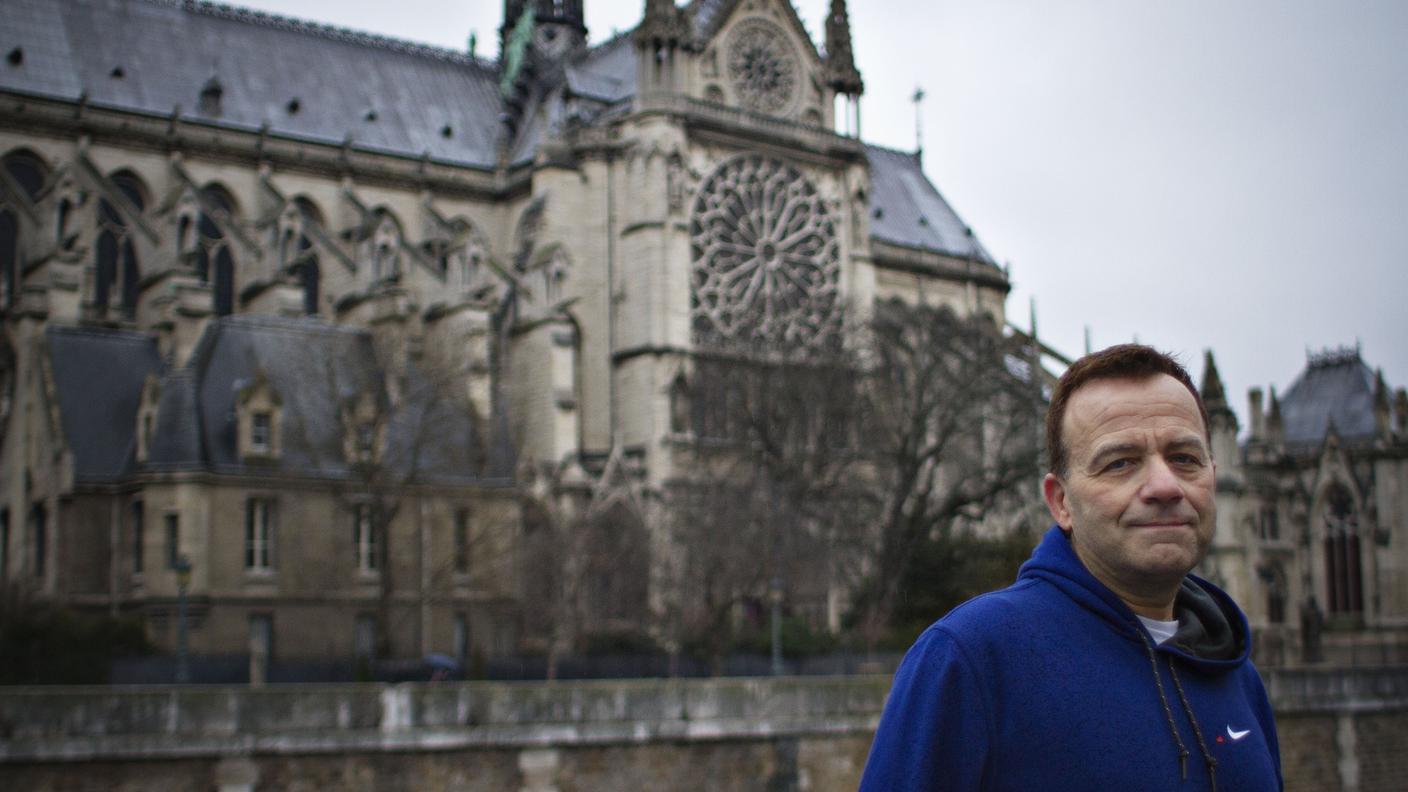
[1229,174]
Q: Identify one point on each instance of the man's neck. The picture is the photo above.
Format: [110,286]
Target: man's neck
[1147,599]
[1163,612]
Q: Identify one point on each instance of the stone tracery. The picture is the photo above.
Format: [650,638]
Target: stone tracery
[765,255]
[762,67]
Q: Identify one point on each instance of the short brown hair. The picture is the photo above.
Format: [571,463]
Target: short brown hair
[1124,361]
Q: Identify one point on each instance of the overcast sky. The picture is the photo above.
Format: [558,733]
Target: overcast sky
[1225,174]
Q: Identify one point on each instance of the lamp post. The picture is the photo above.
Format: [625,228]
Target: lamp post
[775,597]
[183,581]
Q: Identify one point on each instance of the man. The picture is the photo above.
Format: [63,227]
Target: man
[1106,666]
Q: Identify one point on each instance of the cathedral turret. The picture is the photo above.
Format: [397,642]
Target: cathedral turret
[1257,413]
[841,73]
[664,32]
[559,26]
[663,26]
[842,76]
[1383,406]
[1222,422]
[1214,395]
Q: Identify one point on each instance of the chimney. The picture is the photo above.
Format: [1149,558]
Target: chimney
[1258,429]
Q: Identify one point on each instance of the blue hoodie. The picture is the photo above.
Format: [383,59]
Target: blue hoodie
[1054,684]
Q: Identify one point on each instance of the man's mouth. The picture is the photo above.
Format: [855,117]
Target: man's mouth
[1162,524]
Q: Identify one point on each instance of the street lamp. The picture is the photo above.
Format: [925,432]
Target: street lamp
[775,597]
[183,581]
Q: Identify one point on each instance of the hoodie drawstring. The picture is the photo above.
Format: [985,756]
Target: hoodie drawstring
[1187,710]
[1168,713]
[1197,732]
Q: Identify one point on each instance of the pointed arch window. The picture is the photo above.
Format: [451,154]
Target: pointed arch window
[681,413]
[117,268]
[304,261]
[381,245]
[214,259]
[1343,574]
[39,538]
[1273,576]
[29,173]
[9,254]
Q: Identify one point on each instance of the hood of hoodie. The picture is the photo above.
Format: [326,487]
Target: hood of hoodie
[1212,632]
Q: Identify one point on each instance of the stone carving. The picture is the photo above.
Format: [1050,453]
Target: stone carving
[763,67]
[765,255]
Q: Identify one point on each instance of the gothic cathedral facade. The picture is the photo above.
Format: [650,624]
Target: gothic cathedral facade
[320,329]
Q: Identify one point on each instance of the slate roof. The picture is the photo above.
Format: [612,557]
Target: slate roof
[168,51]
[709,15]
[1336,388]
[314,367]
[906,208]
[607,72]
[98,377]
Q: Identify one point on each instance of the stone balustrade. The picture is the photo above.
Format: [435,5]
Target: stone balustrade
[1340,729]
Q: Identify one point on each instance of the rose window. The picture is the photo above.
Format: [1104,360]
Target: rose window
[765,255]
[762,67]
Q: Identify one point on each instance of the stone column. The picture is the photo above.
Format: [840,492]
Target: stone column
[1346,740]
[539,768]
[236,774]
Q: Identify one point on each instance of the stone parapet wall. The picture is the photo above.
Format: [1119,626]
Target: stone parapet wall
[1340,730]
[90,723]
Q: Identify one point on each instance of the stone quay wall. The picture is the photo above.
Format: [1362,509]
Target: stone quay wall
[1340,729]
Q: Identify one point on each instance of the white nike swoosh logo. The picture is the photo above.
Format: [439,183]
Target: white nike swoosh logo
[1237,735]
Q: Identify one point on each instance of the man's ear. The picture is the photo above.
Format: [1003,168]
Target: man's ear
[1054,491]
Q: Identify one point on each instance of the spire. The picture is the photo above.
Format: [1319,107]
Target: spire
[664,26]
[841,72]
[1383,405]
[1214,395]
[513,55]
[1274,426]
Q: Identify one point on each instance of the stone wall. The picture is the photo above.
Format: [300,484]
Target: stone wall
[1340,730]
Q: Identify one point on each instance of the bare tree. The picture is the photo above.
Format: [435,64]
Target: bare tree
[954,430]
[830,465]
[773,482]
[409,431]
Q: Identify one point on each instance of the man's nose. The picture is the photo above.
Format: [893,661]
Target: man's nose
[1161,485]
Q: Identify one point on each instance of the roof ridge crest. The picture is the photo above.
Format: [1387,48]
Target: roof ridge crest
[887,149]
[333,32]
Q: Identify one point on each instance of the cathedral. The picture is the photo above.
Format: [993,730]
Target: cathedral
[313,332]
[1312,512]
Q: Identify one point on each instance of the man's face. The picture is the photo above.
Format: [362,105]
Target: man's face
[1137,497]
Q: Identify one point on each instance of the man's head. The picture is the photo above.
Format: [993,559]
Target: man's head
[1132,473]
[1124,361]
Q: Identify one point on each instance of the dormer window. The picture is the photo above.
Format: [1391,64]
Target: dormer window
[210,96]
[261,432]
[366,440]
[259,413]
[364,433]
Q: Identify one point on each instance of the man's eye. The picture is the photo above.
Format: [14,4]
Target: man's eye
[1187,459]
[1119,464]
